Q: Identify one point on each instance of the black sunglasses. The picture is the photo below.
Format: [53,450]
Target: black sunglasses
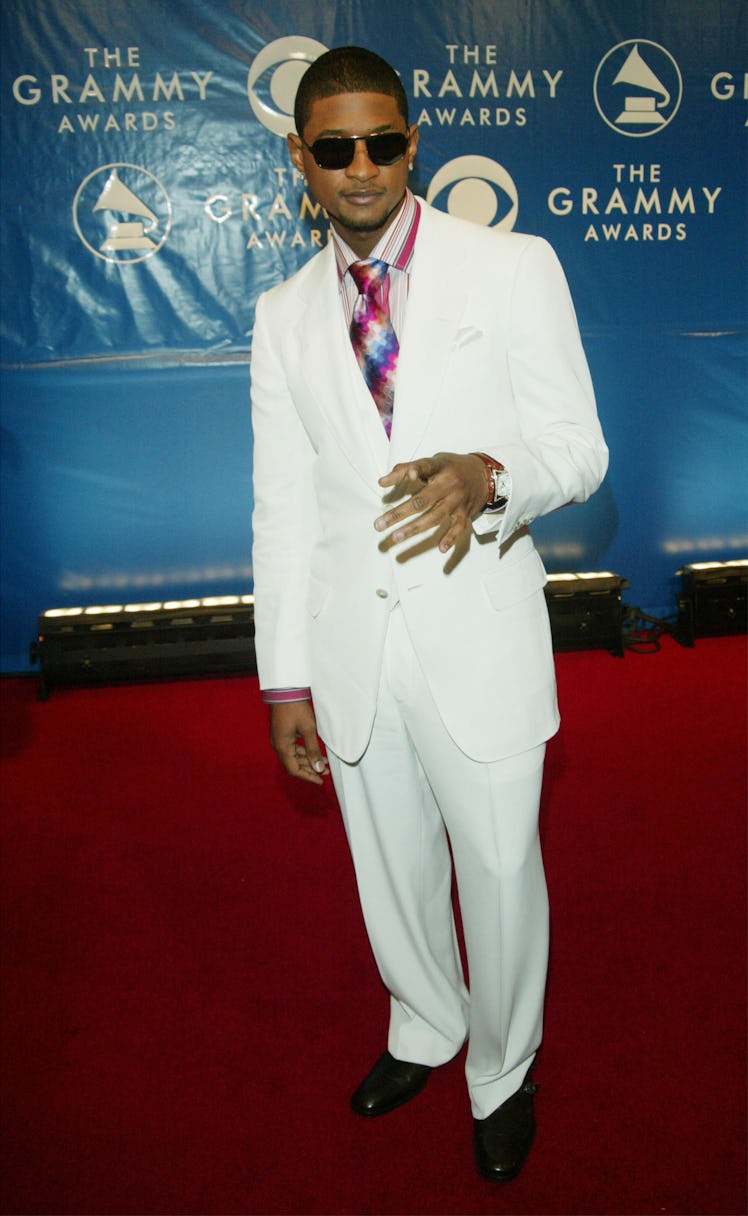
[337,152]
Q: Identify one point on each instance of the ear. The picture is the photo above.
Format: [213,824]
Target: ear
[295,150]
[412,142]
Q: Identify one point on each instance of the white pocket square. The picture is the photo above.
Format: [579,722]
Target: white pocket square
[467,333]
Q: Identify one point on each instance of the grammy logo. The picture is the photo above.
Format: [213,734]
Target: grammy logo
[131,234]
[641,108]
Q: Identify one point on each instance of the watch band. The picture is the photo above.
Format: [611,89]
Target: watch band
[496,479]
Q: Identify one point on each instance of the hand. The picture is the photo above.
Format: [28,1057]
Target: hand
[293,734]
[453,494]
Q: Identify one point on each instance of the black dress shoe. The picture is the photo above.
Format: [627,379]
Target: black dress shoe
[503,1140]
[390,1083]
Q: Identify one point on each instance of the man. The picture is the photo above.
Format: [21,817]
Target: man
[399,602]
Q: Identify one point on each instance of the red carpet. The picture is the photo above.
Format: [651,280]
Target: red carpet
[188,998]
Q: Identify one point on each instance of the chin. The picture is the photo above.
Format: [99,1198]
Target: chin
[372,223]
[365,225]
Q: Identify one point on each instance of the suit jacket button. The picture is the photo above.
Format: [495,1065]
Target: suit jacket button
[382,593]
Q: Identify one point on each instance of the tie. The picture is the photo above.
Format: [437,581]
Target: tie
[373,337]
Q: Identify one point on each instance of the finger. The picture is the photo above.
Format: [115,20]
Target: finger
[429,520]
[293,756]
[415,505]
[452,525]
[455,530]
[413,470]
[303,767]
[310,763]
[314,754]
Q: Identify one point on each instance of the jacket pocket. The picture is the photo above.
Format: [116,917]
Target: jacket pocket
[511,584]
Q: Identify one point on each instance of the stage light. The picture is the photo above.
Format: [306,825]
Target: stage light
[585,610]
[712,599]
[105,643]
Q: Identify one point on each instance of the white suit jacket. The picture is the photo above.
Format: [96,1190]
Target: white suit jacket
[490,360]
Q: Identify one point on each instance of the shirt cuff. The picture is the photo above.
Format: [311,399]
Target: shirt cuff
[276,696]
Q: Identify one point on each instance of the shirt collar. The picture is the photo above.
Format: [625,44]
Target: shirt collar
[395,246]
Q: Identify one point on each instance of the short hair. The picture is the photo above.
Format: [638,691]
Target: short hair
[346,69]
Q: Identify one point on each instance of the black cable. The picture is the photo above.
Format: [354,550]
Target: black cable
[642,631]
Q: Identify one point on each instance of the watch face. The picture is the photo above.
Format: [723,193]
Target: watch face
[501,484]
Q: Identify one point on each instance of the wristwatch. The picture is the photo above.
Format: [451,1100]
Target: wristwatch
[498,482]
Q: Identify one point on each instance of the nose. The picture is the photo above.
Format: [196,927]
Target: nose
[361,166]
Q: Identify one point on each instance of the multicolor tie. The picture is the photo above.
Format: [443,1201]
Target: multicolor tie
[374,340]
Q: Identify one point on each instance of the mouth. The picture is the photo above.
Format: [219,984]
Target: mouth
[361,198]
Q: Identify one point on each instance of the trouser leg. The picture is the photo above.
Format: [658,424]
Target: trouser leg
[412,781]
[491,814]
[404,875]
[504,906]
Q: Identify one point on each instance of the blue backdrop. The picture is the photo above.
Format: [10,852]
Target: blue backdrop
[147,199]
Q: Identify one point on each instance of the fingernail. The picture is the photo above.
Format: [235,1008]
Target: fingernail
[380,525]
[319,766]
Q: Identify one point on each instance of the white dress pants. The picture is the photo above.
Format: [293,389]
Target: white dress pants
[411,798]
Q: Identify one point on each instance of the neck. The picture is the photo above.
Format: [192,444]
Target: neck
[363,240]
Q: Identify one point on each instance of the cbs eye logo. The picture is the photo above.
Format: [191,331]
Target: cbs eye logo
[274,77]
[476,188]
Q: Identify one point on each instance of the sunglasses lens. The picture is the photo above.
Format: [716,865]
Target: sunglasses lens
[387,148]
[333,153]
[338,152]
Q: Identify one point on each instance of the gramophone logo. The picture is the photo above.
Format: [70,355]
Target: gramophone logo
[638,88]
[122,213]
[274,77]
[476,188]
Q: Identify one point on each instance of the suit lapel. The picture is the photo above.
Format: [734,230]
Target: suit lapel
[436,303]
[437,299]
[333,375]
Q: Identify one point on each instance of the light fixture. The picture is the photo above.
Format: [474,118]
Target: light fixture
[104,643]
[585,611]
[712,599]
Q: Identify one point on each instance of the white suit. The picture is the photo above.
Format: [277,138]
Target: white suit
[490,360]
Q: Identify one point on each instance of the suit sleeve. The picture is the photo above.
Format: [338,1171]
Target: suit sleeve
[560,456]
[284,520]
